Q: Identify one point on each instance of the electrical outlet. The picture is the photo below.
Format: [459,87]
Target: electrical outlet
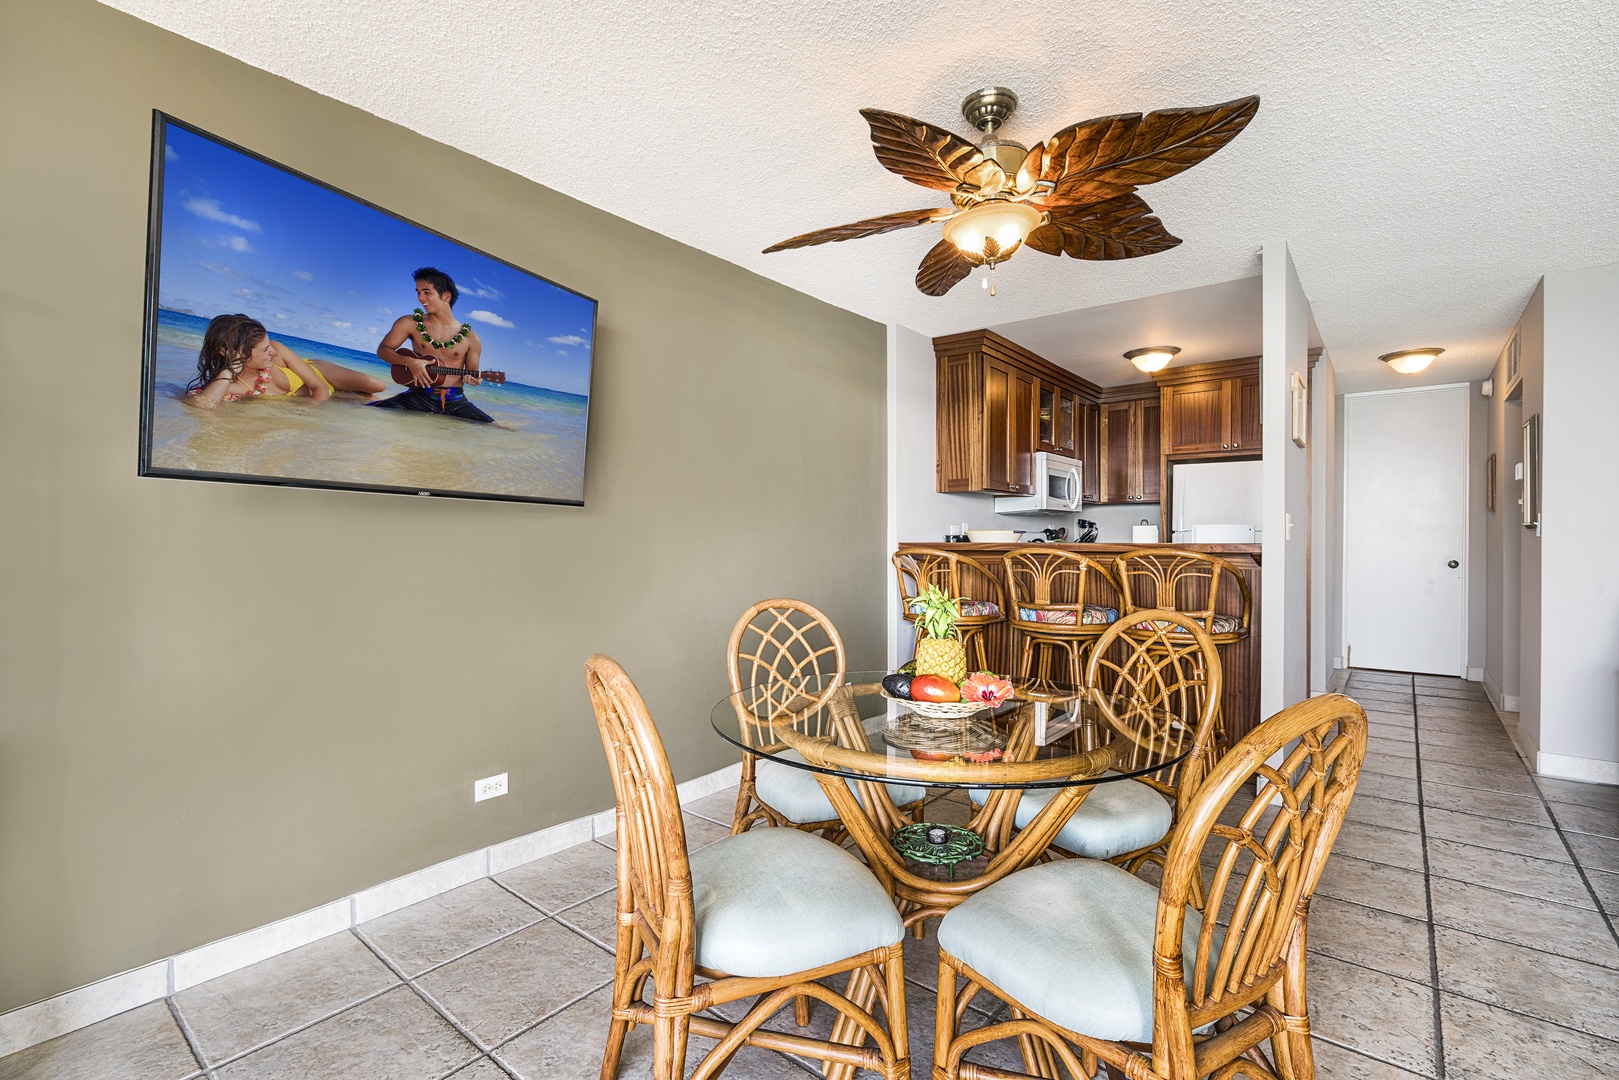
[488,787]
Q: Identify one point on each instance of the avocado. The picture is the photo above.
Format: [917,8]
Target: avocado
[898,685]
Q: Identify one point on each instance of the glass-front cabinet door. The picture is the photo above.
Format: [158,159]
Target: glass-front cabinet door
[1046,426]
[1067,424]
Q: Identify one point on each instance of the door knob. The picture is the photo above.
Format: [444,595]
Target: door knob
[1453,564]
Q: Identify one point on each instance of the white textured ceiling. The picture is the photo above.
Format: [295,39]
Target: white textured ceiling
[1425,160]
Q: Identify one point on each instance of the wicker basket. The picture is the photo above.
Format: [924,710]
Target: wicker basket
[940,710]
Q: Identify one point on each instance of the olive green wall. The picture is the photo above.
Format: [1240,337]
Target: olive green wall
[188,751]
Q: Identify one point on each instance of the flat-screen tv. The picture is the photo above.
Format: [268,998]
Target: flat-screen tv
[298,335]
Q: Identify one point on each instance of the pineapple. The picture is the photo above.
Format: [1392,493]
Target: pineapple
[938,651]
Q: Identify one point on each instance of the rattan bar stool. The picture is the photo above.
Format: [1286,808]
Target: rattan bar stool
[961,577]
[1061,602]
[1192,583]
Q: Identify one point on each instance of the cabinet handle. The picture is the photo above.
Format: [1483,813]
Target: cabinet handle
[1237,445]
[1225,446]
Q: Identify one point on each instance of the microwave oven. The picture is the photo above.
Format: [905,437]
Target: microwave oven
[1058,482]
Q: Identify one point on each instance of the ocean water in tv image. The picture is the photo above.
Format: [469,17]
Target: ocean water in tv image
[331,277]
[534,449]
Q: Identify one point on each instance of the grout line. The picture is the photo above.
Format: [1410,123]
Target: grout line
[1358,1052]
[190,1036]
[553,1013]
[1585,878]
[1427,889]
[482,1047]
[301,1028]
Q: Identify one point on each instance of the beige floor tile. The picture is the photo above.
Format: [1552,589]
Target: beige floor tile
[141,1044]
[1538,924]
[482,1069]
[1487,757]
[1513,780]
[1384,813]
[1507,872]
[1390,888]
[452,924]
[700,832]
[249,1007]
[1380,940]
[1593,820]
[1491,736]
[1486,1043]
[1387,1018]
[1458,722]
[396,1035]
[1398,788]
[1380,845]
[1492,804]
[1390,765]
[1490,832]
[1563,991]
[1572,791]
[503,988]
[1595,852]
[1377,745]
[1335,1063]
[564,879]
[1404,731]
[597,917]
[720,807]
[1606,886]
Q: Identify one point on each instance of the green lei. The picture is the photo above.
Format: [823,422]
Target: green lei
[421,329]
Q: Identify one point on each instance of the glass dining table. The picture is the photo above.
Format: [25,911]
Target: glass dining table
[857,740]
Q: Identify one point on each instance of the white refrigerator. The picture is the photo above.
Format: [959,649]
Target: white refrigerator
[1216,502]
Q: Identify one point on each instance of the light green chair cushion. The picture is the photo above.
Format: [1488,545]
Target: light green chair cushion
[775,901]
[796,795]
[1071,940]
[1116,817]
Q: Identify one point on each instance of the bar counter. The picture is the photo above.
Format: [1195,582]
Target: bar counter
[1240,661]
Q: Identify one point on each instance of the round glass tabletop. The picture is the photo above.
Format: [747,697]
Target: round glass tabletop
[1045,735]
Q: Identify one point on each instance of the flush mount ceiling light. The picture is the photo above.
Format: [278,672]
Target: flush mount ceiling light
[1152,358]
[1410,361]
[1073,194]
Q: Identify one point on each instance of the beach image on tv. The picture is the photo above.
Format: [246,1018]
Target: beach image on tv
[302,336]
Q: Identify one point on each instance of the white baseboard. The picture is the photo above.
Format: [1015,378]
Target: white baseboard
[1474,674]
[1590,770]
[1339,680]
[1502,702]
[86,1005]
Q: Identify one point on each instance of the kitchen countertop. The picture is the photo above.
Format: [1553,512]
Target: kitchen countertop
[1251,550]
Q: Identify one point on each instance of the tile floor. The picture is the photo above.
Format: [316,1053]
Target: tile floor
[1465,927]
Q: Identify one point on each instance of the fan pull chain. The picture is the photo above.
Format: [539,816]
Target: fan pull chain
[988,281]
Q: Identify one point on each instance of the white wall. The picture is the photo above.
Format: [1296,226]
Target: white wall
[1579,577]
[1326,517]
[1284,676]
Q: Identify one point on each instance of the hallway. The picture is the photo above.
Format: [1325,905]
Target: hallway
[1459,932]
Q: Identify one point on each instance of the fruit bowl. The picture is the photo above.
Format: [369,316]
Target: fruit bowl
[940,710]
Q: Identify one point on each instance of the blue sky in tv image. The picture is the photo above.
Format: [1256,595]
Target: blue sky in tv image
[243,235]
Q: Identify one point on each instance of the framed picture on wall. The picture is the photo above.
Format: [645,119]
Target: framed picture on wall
[1489,484]
[298,335]
[1301,407]
[1531,472]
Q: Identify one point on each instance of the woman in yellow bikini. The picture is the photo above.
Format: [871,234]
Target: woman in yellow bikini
[239,360]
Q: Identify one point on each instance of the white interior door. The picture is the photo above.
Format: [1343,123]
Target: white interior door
[1405,530]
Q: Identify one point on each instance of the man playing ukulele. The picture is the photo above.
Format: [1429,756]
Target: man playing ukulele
[432,336]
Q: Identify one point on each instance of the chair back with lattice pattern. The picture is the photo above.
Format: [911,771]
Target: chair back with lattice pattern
[652,864]
[1190,582]
[961,577]
[1057,580]
[793,652]
[1252,865]
[1156,676]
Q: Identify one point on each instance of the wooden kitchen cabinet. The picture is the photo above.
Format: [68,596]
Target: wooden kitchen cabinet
[1211,410]
[1090,451]
[1131,453]
[998,404]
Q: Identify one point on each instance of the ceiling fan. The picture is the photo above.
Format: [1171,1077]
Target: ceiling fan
[1073,194]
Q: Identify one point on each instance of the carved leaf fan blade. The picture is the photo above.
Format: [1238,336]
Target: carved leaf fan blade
[942,267]
[921,153]
[1123,227]
[1111,155]
[869,227]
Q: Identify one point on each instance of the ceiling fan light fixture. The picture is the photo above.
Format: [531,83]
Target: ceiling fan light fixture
[1410,361]
[1007,223]
[1152,358]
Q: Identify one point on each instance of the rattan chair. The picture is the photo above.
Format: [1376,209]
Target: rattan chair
[1098,965]
[767,914]
[1142,684]
[790,647]
[1191,582]
[1054,608]
[983,603]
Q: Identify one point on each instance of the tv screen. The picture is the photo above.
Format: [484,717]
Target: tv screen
[298,335]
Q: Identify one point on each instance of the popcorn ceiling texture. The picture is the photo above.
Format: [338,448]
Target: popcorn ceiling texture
[1425,161]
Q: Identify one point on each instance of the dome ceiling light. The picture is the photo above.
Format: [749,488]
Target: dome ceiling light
[1410,361]
[1073,194]
[1152,358]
